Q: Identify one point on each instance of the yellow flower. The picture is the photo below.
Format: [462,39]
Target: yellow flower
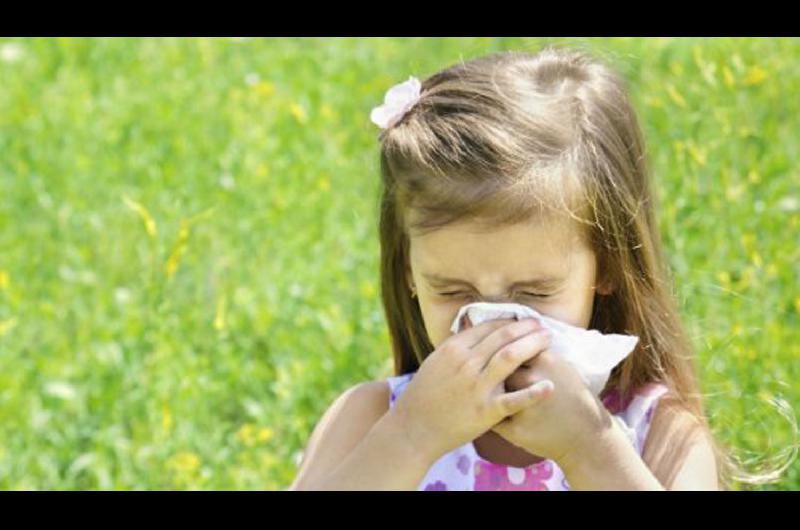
[697,55]
[748,240]
[327,112]
[734,192]
[250,435]
[772,269]
[705,68]
[147,219]
[324,184]
[264,434]
[698,155]
[298,367]
[185,462]
[676,68]
[753,176]
[367,289]
[737,330]
[756,257]
[763,395]
[797,304]
[755,76]
[166,418]
[247,434]
[268,460]
[219,319]
[748,276]
[676,96]
[655,102]
[7,325]
[177,250]
[298,112]
[724,278]
[727,75]
[264,88]
[3,280]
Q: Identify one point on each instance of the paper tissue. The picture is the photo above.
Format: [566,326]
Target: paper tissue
[593,354]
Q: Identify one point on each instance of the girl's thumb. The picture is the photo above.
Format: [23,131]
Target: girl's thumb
[540,389]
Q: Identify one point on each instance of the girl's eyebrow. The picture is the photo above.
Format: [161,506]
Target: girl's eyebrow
[541,283]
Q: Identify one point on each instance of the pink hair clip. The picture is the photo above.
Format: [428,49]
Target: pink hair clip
[398,100]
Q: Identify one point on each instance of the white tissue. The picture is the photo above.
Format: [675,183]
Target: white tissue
[593,354]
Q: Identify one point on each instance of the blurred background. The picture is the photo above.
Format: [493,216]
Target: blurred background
[189,250]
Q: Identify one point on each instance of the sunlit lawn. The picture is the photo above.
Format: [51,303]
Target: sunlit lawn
[189,252]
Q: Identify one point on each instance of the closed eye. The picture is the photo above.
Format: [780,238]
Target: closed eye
[457,293]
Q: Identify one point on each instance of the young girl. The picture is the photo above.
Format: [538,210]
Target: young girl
[518,178]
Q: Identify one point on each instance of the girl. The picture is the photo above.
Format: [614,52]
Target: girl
[518,178]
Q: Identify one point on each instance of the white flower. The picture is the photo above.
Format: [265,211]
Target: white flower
[61,390]
[122,295]
[788,204]
[398,100]
[227,181]
[251,78]
[11,52]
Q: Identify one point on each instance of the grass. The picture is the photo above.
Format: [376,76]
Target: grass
[189,252]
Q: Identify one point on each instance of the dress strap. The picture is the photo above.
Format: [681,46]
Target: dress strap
[635,414]
[397,384]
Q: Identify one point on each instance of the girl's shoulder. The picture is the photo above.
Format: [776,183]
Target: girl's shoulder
[377,391]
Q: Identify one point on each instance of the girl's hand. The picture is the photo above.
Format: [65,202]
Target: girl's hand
[564,421]
[458,392]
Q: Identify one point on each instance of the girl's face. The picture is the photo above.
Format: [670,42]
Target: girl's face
[544,266]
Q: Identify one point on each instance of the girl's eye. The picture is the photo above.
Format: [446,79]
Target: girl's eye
[526,294]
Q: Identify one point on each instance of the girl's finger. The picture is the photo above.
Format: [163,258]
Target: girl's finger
[502,337]
[514,402]
[509,358]
[474,335]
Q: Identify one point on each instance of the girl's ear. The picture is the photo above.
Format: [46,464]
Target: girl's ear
[603,284]
[409,277]
[604,288]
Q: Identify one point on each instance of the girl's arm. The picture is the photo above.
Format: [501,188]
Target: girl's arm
[673,456]
[612,463]
[359,445]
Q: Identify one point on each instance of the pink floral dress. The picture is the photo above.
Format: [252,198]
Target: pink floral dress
[462,469]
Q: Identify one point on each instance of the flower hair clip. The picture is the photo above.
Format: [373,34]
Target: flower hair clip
[398,100]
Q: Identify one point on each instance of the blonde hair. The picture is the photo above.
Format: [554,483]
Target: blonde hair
[509,136]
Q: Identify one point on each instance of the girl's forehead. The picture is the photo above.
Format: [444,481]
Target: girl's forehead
[530,245]
[555,233]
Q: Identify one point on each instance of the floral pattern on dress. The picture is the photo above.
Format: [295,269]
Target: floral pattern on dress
[436,486]
[498,477]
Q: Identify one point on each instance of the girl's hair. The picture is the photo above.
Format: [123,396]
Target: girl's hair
[511,136]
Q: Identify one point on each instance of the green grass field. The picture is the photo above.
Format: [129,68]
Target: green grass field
[189,249]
